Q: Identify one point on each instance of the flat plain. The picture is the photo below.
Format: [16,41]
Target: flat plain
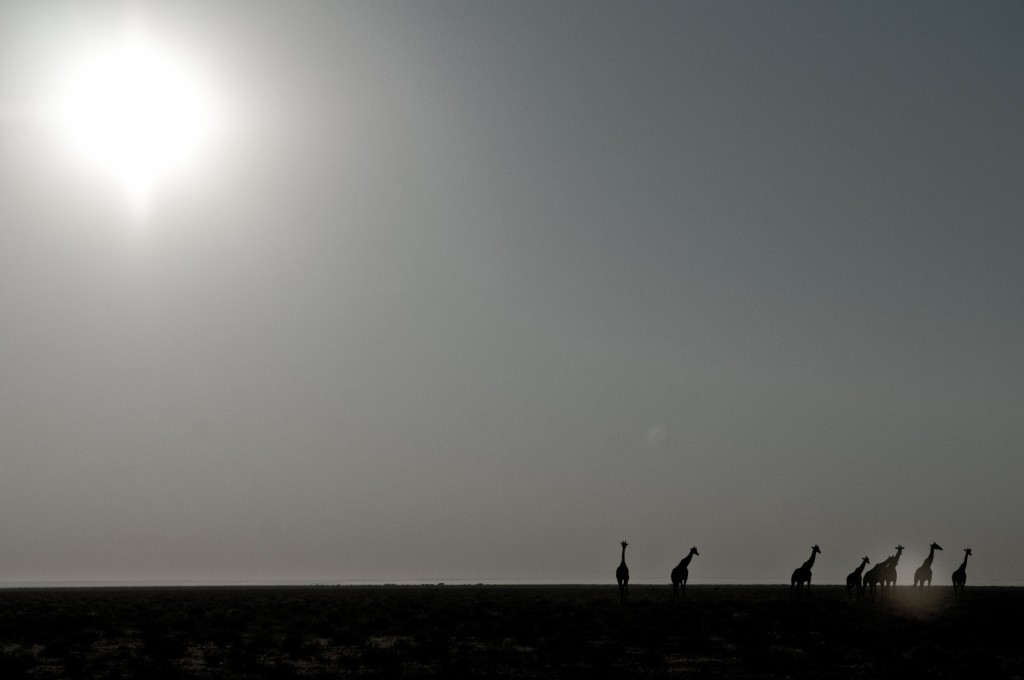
[508,631]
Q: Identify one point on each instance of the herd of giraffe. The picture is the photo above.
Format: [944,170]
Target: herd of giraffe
[882,574]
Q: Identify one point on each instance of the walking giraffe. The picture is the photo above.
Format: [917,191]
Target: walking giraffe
[854,580]
[924,572]
[873,576]
[960,575]
[681,573]
[802,574]
[889,573]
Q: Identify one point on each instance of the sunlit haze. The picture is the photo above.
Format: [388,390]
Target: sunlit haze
[133,112]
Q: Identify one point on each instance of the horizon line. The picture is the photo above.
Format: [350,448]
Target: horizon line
[333,583]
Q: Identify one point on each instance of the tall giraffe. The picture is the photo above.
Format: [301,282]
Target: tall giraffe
[854,579]
[924,572]
[802,574]
[622,575]
[960,575]
[873,576]
[681,573]
[889,573]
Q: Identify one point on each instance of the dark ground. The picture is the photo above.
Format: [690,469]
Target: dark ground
[512,632]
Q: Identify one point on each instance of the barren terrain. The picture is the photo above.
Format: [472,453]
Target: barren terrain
[507,631]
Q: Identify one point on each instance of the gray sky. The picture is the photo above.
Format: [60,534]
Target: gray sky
[476,290]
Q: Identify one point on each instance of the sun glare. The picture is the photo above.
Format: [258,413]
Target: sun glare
[134,112]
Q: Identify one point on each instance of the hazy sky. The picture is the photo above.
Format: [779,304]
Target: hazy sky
[475,290]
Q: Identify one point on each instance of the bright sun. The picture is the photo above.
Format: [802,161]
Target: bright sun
[135,112]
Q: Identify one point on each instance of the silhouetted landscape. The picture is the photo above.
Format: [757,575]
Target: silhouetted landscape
[508,631]
[392,293]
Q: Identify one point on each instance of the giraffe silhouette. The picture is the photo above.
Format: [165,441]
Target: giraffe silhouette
[873,576]
[924,572]
[681,573]
[960,575]
[622,575]
[802,574]
[854,579]
[889,573]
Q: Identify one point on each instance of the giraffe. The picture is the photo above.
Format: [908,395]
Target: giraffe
[854,579]
[924,572]
[681,572]
[960,575]
[622,575]
[873,576]
[889,573]
[802,574]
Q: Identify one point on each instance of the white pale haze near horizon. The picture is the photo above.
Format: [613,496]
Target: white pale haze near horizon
[473,291]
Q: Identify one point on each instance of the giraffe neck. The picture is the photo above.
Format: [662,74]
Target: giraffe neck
[963,567]
[860,569]
[623,554]
[810,563]
[686,560]
[931,556]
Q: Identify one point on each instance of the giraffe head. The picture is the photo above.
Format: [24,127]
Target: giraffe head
[624,544]
[815,549]
[936,546]
[866,560]
[694,550]
[968,553]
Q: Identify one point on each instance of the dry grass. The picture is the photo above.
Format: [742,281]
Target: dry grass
[513,632]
